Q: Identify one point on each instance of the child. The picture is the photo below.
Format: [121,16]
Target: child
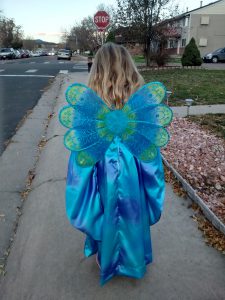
[89,63]
[115,183]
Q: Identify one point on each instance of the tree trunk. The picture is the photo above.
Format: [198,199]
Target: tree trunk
[148,51]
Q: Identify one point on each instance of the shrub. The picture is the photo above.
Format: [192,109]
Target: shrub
[161,58]
[191,56]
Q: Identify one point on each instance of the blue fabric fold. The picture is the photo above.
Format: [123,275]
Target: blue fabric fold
[114,203]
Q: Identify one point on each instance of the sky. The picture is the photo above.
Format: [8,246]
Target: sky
[48,19]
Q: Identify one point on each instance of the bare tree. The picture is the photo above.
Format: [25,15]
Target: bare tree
[141,18]
[83,35]
[10,34]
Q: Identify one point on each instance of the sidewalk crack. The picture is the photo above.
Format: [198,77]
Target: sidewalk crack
[48,181]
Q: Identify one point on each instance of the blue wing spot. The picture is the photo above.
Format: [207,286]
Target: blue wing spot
[118,118]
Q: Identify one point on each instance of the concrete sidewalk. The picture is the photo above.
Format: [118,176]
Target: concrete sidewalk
[181,111]
[47,262]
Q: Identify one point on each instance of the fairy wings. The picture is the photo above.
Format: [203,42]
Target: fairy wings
[93,125]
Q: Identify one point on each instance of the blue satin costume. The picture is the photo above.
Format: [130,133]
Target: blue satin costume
[114,201]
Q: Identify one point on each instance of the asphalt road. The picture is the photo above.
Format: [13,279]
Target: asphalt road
[22,83]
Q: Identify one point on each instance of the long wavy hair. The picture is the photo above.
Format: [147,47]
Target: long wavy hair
[114,76]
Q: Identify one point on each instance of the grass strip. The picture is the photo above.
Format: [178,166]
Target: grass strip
[205,87]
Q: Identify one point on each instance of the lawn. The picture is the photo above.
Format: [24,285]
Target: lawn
[213,122]
[174,60]
[203,86]
[138,59]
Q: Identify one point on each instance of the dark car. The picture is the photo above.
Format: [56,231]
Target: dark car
[215,56]
[7,53]
[24,53]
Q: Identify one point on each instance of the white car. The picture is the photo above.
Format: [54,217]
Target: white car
[7,53]
[17,53]
[35,53]
[64,54]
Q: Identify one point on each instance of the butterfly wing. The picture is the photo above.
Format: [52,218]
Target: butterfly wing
[84,116]
[93,126]
[147,116]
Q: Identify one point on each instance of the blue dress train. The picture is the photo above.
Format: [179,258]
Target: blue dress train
[114,203]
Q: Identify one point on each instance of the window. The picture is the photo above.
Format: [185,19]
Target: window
[203,42]
[204,20]
[183,43]
[187,21]
[173,43]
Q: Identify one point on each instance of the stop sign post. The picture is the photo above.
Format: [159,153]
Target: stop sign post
[101,20]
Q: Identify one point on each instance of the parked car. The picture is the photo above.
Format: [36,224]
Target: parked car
[64,54]
[27,53]
[44,53]
[24,53]
[17,53]
[51,53]
[35,53]
[215,56]
[7,53]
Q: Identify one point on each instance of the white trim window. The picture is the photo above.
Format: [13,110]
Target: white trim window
[187,21]
[204,20]
[173,43]
[203,42]
[183,43]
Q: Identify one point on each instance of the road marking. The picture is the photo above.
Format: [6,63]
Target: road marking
[63,71]
[31,71]
[41,76]
[61,62]
[47,62]
[32,62]
[2,70]
[80,67]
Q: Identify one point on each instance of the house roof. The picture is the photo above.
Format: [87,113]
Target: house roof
[190,11]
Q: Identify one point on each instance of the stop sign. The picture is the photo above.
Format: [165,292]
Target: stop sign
[101,19]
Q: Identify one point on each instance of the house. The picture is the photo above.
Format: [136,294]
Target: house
[205,24]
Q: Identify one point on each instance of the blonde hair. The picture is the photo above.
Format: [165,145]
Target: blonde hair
[114,76]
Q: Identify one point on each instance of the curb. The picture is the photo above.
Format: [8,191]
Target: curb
[193,196]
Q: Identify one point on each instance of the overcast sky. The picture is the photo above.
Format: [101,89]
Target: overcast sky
[47,19]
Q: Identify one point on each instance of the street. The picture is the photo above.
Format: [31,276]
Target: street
[22,83]
[211,66]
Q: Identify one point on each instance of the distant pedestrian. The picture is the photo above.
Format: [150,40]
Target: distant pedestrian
[89,63]
[115,182]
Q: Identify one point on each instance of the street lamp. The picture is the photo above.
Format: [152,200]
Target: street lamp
[168,94]
[188,103]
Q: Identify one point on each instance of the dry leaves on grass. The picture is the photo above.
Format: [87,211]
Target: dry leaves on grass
[199,156]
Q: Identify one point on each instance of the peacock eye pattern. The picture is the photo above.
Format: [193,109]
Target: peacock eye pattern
[140,124]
